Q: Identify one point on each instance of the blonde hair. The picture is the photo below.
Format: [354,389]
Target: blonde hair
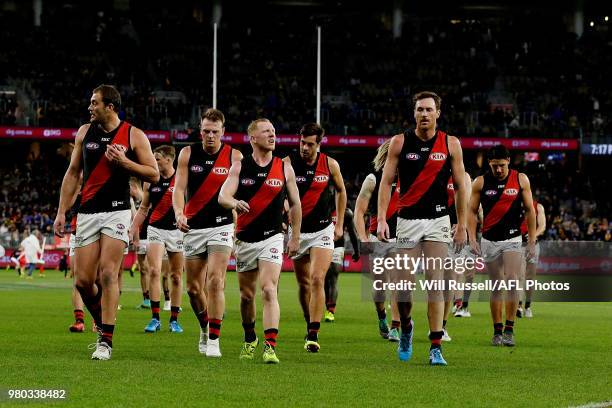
[253,125]
[381,155]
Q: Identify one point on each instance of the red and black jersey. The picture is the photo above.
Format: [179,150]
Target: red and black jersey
[106,187]
[502,207]
[424,169]
[315,195]
[263,188]
[161,214]
[524,227]
[207,173]
[72,215]
[391,209]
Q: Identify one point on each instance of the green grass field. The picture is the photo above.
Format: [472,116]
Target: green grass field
[562,356]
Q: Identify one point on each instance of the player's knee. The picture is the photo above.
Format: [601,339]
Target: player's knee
[176,278]
[268,293]
[317,281]
[193,289]
[246,296]
[214,284]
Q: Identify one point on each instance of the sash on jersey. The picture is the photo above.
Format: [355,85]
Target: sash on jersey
[503,204]
[103,171]
[264,196]
[211,185]
[428,174]
[312,195]
[164,205]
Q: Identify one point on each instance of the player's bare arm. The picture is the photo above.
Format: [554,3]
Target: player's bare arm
[361,206]
[295,210]
[229,189]
[384,191]
[472,213]
[461,192]
[70,183]
[341,198]
[180,184]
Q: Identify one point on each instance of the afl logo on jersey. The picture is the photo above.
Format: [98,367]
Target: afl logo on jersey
[221,171]
[321,179]
[156,189]
[247,182]
[413,156]
[197,169]
[437,156]
[92,145]
[490,193]
[274,183]
[511,191]
[300,179]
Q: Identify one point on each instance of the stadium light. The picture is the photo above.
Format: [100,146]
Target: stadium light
[606,18]
[591,23]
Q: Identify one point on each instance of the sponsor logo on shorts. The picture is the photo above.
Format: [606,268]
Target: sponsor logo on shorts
[321,179]
[247,182]
[325,238]
[300,179]
[224,234]
[274,250]
[490,193]
[120,226]
[179,242]
[92,146]
[221,171]
[196,169]
[437,156]
[511,191]
[406,241]
[444,229]
[240,265]
[445,236]
[274,183]
[413,156]
[188,247]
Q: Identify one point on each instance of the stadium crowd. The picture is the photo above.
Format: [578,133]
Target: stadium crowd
[539,81]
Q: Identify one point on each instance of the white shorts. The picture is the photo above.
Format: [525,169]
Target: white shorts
[114,224]
[71,243]
[466,252]
[172,240]
[411,232]
[248,253]
[492,249]
[141,249]
[319,239]
[536,258]
[338,256]
[382,249]
[197,241]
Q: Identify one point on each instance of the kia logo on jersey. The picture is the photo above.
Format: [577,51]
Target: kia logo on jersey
[92,145]
[413,156]
[511,191]
[437,156]
[274,182]
[300,179]
[197,169]
[247,182]
[221,171]
[321,179]
[490,192]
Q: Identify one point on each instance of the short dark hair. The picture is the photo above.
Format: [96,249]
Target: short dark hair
[110,95]
[313,129]
[425,95]
[498,152]
[166,151]
[214,115]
